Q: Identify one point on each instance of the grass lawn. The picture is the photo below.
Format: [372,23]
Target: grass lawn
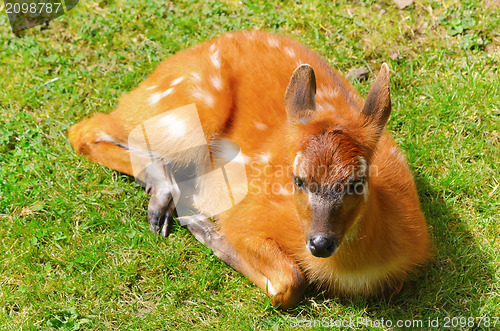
[76,250]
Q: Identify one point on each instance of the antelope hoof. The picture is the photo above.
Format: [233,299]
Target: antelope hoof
[292,293]
[202,228]
[161,212]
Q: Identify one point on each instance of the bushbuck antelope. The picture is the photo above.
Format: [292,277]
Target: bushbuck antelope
[328,198]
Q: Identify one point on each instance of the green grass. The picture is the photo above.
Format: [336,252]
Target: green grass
[76,248]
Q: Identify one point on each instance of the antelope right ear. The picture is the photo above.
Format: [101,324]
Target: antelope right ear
[299,96]
[378,102]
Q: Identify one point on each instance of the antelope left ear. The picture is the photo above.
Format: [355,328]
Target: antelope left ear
[299,96]
[378,103]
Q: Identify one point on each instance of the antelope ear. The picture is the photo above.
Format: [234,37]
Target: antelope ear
[378,103]
[299,96]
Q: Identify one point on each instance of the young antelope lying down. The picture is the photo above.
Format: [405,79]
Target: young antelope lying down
[257,132]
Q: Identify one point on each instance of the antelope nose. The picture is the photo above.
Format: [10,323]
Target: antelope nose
[321,245]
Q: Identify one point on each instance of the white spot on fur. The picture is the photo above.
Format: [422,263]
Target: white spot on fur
[275,204]
[196,76]
[362,167]
[264,157]
[250,35]
[260,125]
[107,138]
[296,162]
[216,82]
[283,191]
[173,125]
[366,191]
[273,42]
[151,87]
[363,171]
[242,160]
[270,288]
[167,92]
[300,62]
[176,81]
[155,97]
[203,95]
[214,57]
[289,51]
[246,159]
[397,152]
[299,169]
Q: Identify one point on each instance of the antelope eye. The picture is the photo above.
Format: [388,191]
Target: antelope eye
[298,182]
[357,186]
